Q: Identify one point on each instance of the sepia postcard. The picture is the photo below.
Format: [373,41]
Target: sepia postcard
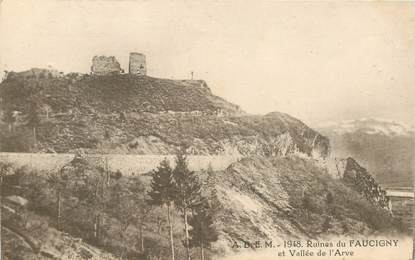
[207,129]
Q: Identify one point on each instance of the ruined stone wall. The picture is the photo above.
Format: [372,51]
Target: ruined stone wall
[103,65]
[137,64]
[127,164]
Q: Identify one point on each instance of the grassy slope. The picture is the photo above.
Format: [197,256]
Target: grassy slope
[119,92]
[130,114]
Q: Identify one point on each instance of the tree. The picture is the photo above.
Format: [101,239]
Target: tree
[210,187]
[46,109]
[123,207]
[97,196]
[128,203]
[162,194]
[59,182]
[187,192]
[5,75]
[18,140]
[10,119]
[5,169]
[210,179]
[33,117]
[202,233]
[89,184]
[140,198]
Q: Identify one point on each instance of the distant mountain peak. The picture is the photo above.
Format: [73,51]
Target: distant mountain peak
[371,126]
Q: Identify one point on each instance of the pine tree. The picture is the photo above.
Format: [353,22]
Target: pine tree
[142,208]
[202,233]
[89,184]
[211,182]
[127,204]
[162,193]
[96,195]
[187,192]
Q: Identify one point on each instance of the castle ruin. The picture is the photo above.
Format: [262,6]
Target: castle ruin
[103,65]
[137,64]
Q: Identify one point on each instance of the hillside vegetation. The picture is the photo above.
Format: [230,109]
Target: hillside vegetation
[254,199]
[291,197]
[140,115]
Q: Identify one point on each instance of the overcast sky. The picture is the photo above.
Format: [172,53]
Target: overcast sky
[318,61]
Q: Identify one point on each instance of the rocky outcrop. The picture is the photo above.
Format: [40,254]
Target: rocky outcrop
[359,179]
[287,197]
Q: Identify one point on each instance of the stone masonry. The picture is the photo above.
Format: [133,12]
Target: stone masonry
[137,64]
[103,65]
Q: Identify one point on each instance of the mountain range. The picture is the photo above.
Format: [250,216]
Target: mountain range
[386,148]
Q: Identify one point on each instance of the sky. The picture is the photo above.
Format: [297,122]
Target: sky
[316,60]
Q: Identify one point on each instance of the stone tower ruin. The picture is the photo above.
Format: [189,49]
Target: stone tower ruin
[103,65]
[137,64]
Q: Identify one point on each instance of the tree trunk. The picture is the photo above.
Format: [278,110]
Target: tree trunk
[34,137]
[97,228]
[1,206]
[171,232]
[186,231]
[141,235]
[58,215]
[124,250]
[107,172]
[202,252]
[159,222]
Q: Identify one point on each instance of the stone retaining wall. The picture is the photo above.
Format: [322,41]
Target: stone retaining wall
[127,164]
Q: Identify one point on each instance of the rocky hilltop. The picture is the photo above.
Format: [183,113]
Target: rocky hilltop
[132,114]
